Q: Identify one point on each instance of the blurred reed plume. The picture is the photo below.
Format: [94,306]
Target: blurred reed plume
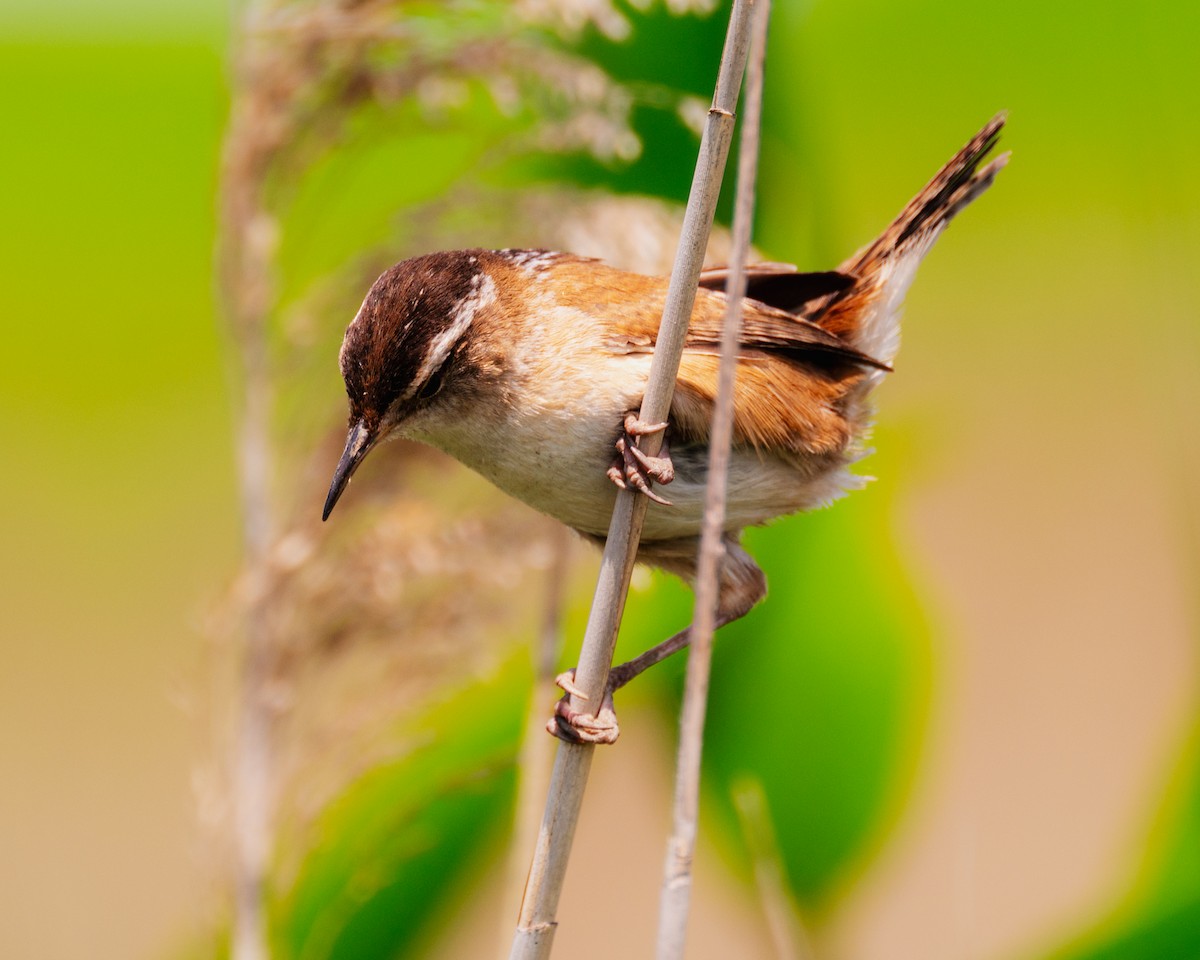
[366,619]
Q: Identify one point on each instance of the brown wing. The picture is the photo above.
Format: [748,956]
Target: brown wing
[791,382]
[772,330]
[792,376]
[777,405]
[632,307]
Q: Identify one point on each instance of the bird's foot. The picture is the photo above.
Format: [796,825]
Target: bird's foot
[632,468]
[575,726]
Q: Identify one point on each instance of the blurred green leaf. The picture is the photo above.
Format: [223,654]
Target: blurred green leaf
[819,694]
[400,845]
[1174,861]
[1161,934]
[1161,918]
[346,201]
[664,57]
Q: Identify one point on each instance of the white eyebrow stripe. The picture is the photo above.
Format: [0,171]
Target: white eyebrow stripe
[482,296]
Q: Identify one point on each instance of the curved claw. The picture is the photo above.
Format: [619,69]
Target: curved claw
[640,428]
[660,468]
[566,681]
[633,468]
[638,482]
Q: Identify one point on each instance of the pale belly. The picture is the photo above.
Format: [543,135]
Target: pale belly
[556,466]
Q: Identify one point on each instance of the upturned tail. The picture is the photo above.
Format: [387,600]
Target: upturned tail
[867,314]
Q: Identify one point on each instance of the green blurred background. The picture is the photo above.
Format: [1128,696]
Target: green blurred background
[990,674]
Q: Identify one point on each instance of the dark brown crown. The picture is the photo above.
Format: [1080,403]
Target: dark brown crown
[407,330]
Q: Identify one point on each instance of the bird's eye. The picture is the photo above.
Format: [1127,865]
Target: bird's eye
[431,387]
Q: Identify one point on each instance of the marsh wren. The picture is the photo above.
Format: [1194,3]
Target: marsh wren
[528,366]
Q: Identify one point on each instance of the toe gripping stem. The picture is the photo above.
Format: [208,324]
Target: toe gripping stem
[576,726]
[633,468]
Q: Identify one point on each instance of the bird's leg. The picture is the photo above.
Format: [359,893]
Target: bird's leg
[742,585]
[575,726]
[632,468]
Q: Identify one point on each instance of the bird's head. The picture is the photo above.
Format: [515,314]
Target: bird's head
[405,346]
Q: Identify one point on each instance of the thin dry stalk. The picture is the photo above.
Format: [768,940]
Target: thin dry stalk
[535,927]
[789,938]
[252,780]
[677,872]
[533,762]
[248,288]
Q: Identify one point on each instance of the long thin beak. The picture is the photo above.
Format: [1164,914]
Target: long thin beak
[358,442]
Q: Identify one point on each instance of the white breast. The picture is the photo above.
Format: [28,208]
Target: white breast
[548,437]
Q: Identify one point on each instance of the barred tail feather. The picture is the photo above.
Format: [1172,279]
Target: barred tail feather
[868,314]
[958,183]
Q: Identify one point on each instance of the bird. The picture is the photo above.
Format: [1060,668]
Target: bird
[529,366]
